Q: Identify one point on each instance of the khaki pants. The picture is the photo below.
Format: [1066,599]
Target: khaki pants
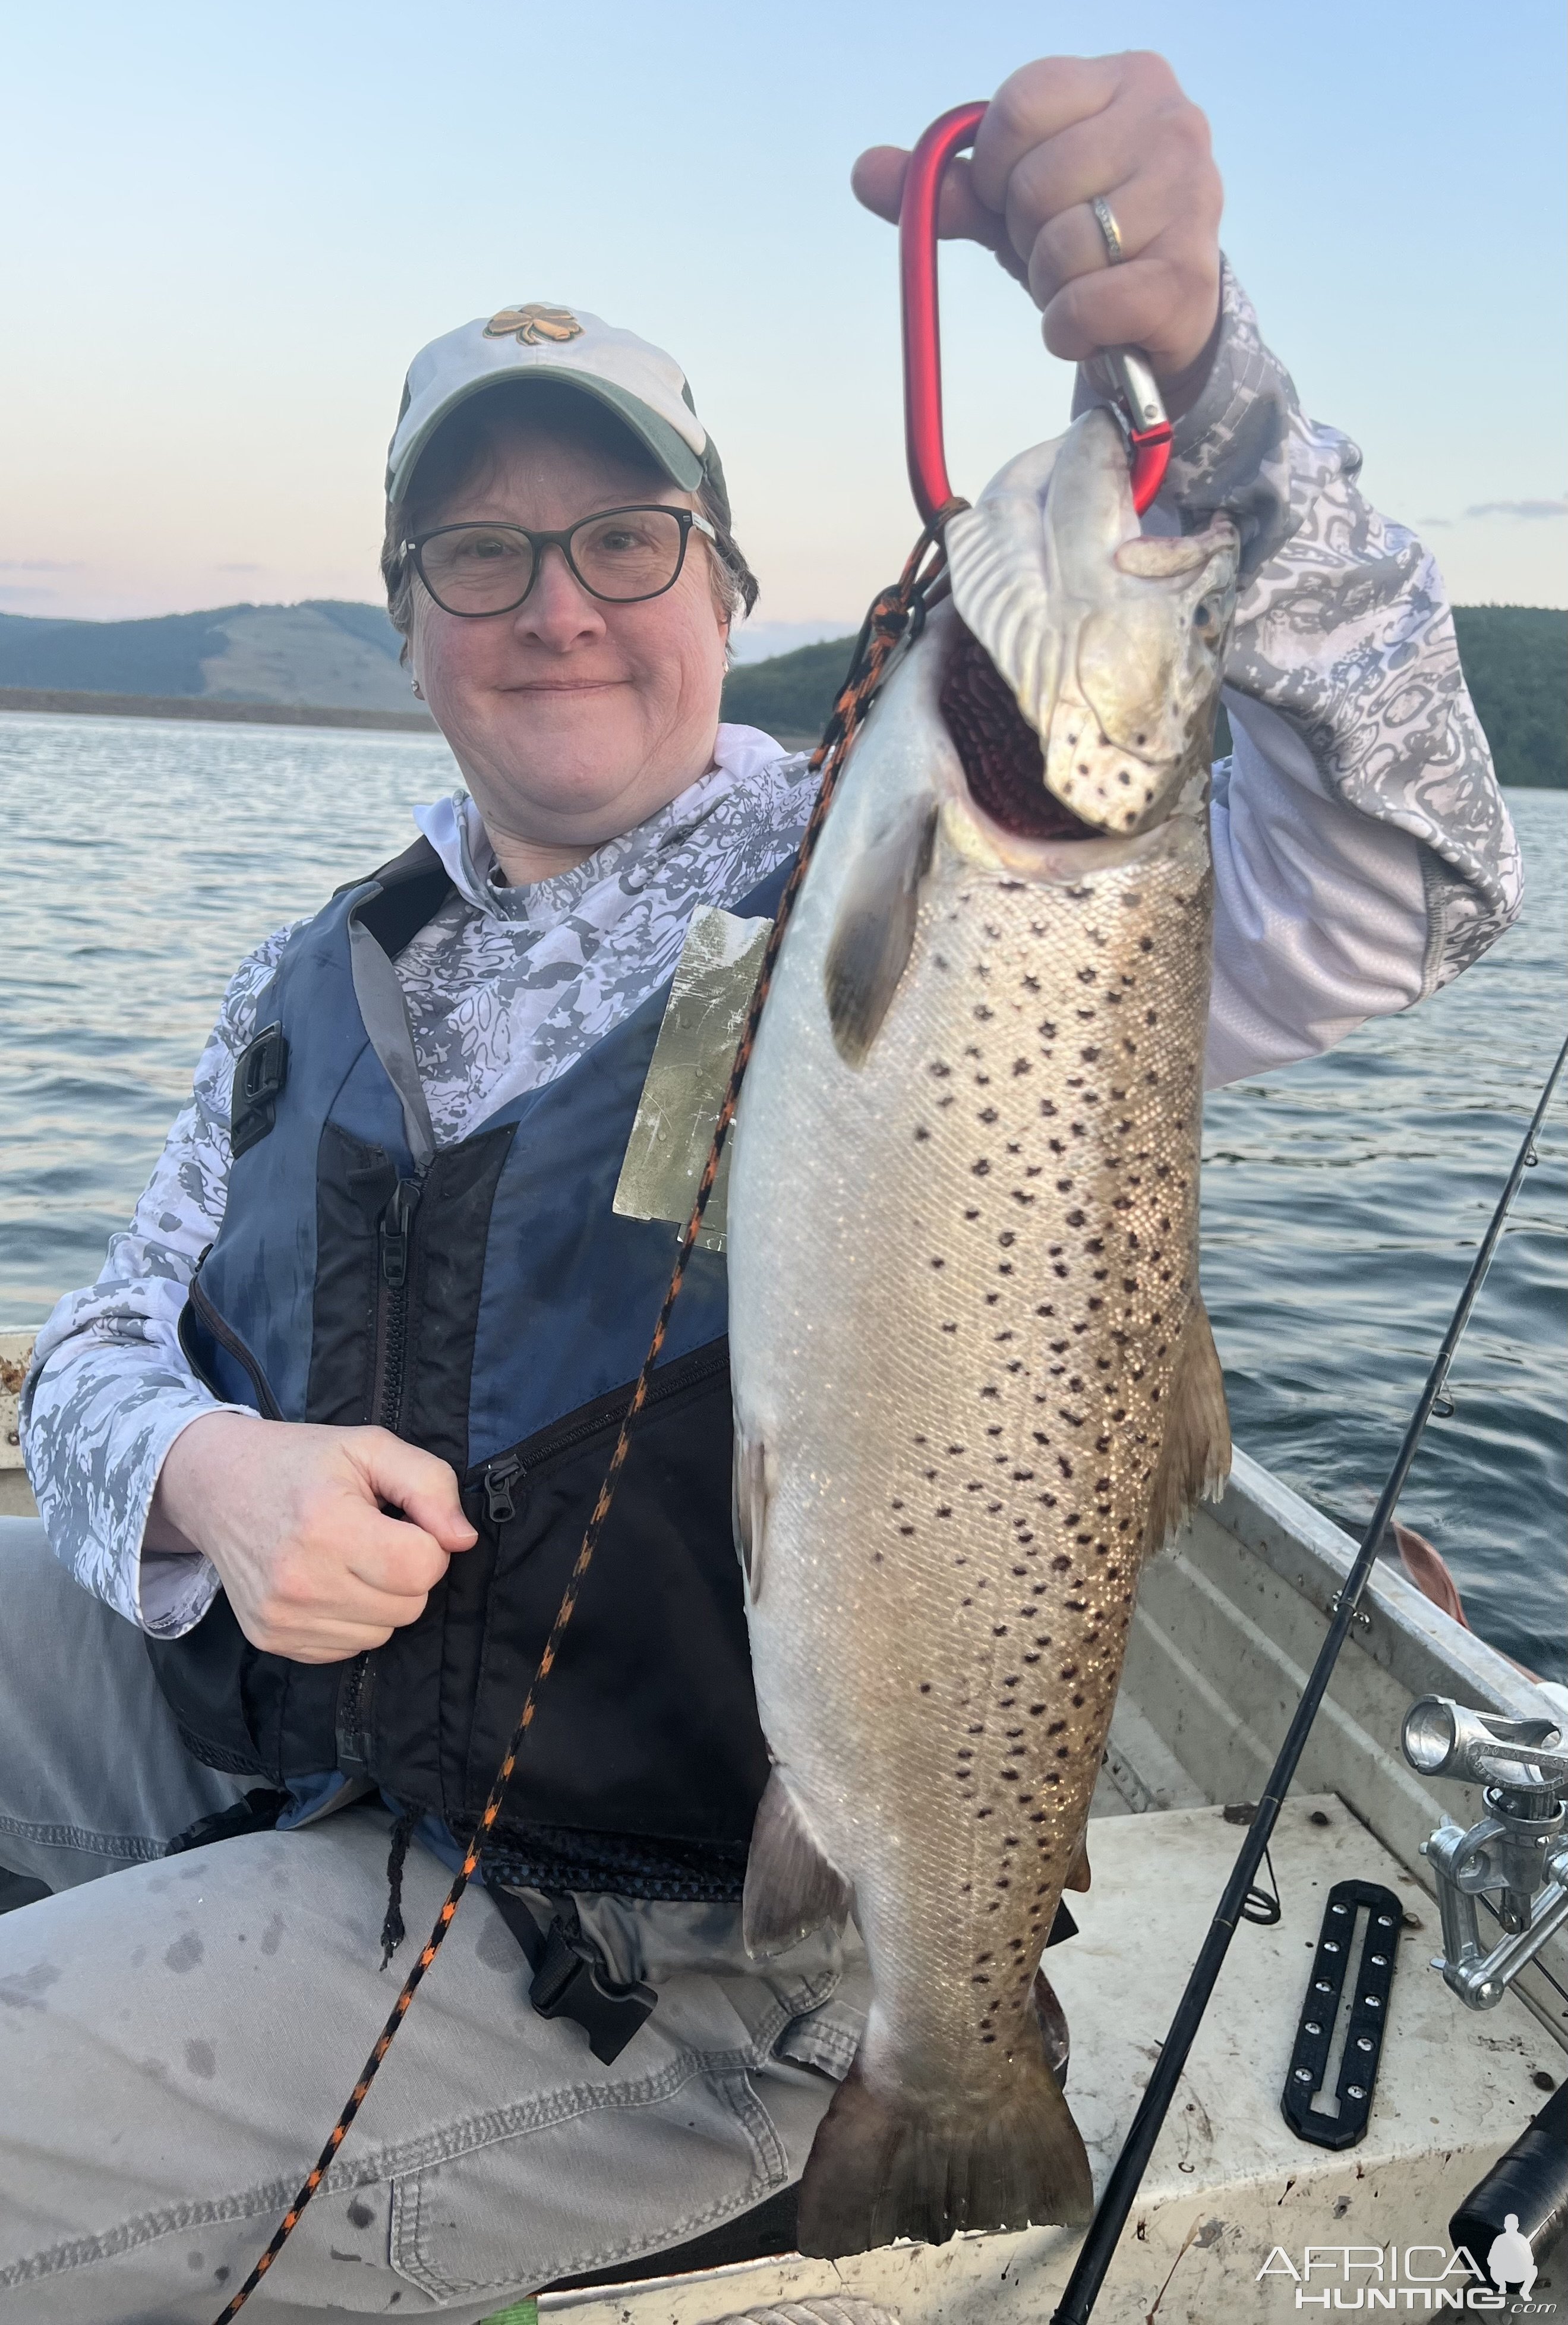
[176,2041]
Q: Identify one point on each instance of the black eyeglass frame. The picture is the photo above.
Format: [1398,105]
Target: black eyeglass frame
[540,542]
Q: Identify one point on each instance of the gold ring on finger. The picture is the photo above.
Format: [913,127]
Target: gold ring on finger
[1109,232]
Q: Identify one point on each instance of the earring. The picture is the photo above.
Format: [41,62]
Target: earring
[418,689]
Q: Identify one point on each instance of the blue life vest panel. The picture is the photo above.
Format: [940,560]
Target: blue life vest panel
[486,1302]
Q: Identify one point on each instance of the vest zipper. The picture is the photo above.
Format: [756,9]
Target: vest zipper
[510,1471]
[357,1689]
[396,1236]
[501,1476]
[224,1333]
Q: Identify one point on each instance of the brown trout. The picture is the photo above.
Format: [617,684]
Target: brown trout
[975,1384]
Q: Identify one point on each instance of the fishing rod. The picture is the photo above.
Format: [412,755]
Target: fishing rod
[1099,2246]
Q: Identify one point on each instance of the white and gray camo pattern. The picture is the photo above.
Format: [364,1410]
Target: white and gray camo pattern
[1344,639]
[1343,627]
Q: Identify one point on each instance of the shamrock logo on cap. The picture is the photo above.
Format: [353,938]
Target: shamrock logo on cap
[534,324]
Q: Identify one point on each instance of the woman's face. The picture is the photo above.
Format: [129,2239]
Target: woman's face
[571,720]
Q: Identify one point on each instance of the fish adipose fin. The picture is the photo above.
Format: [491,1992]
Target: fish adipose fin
[874,934]
[791,1889]
[883,2166]
[1196,1456]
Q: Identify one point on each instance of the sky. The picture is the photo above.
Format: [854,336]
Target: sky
[230,227]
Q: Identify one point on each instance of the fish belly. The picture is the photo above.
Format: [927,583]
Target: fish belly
[966,1336]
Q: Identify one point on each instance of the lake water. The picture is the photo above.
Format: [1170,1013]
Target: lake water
[1343,1198]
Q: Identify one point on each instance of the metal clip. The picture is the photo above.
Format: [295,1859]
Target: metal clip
[1141,408]
[1360,1618]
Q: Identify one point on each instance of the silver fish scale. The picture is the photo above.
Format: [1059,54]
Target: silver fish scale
[957,1364]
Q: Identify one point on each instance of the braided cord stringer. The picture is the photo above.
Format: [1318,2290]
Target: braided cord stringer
[893,612]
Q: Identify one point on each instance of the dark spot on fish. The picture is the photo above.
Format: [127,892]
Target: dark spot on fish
[200,2058]
[359,2213]
[187,1951]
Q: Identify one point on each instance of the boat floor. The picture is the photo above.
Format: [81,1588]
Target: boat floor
[1229,2180]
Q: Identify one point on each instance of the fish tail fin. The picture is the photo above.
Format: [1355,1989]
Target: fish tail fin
[1195,1456]
[883,2166]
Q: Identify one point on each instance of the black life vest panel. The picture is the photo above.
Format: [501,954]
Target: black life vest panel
[486,1303]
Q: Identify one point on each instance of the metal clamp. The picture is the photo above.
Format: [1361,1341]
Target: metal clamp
[1517,1854]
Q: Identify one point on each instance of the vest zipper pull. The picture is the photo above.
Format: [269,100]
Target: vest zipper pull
[500,1477]
[395,1233]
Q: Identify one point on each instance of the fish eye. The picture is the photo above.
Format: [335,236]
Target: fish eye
[1203,614]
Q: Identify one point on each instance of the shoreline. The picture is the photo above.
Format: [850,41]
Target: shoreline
[55,701]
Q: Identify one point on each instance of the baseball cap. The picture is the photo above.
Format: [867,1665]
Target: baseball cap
[640,383]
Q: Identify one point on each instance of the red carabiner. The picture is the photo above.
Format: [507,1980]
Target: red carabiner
[1148,431]
[917,275]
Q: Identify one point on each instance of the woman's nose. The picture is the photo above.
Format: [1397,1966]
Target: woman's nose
[558,611]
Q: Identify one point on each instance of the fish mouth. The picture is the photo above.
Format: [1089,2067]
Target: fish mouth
[1004,762]
[1081,690]
[993,805]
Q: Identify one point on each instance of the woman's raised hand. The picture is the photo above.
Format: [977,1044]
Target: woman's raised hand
[1057,133]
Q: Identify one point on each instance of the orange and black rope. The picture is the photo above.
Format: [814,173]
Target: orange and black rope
[895,611]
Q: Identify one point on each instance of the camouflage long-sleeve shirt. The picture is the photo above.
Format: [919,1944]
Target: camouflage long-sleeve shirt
[1362,857]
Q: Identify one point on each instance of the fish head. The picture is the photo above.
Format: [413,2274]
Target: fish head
[1112,640]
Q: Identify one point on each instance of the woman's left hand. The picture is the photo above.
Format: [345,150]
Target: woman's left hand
[1057,133]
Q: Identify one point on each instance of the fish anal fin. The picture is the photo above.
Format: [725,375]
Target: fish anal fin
[1194,1458]
[874,933]
[883,2165]
[1078,1875]
[791,1889]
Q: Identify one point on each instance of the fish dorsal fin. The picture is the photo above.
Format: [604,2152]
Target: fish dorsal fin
[1195,1456]
[791,1889]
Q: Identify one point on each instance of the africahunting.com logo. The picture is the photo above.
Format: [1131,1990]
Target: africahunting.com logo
[1420,2280]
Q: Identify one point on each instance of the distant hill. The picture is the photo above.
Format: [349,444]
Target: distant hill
[1515,659]
[792,693]
[326,652]
[336,654]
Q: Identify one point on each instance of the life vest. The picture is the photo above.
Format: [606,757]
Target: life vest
[484,1301]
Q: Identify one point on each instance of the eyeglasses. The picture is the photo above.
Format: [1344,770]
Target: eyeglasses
[621,555]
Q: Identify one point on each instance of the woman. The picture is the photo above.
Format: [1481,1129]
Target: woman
[335,1470]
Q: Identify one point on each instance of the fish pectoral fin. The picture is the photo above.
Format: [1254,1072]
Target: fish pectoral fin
[874,933]
[791,1889]
[1195,1456]
[748,1507]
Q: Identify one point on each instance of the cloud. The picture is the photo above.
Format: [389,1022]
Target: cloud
[1519,508]
[13,592]
[1428,522]
[239,569]
[38,565]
